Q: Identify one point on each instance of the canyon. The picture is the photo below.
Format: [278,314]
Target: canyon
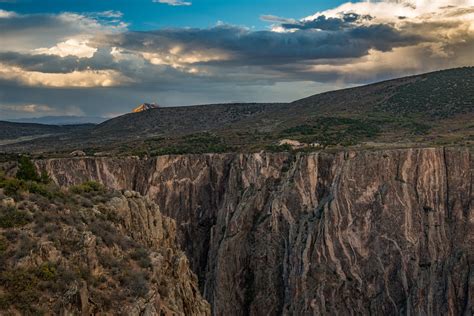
[346,232]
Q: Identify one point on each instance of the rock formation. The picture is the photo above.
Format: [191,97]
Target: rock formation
[357,232]
[145,107]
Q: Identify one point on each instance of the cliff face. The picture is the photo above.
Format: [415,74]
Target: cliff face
[356,232]
[178,292]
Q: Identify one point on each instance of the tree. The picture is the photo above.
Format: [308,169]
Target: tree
[26,170]
[44,177]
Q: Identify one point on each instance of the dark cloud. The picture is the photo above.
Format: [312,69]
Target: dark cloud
[102,60]
[328,24]
[247,47]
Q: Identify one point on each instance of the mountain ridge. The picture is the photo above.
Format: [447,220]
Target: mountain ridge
[60,120]
[432,108]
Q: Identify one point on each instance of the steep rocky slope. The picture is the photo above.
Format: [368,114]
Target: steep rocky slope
[90,251]
[367,232]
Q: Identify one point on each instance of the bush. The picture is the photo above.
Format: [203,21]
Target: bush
[109,262]
[279,148]
[3,245]
[25,247]
[12,187]
[142,256]
[26,170]
[136,282]
[21,290]
[10,217]
[44,177]
[87,187]
[107,233]
[47,272]
[39,188]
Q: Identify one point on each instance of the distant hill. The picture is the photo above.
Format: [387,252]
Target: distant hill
[434,108]
[61,120]
[13,132]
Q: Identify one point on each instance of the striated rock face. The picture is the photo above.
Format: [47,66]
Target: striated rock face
[371,232]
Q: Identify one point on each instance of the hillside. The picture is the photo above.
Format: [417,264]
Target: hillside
[431,109]
[61,120]
[11,132]
[89,251]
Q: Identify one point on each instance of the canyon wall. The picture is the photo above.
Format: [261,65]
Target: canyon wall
[357,232]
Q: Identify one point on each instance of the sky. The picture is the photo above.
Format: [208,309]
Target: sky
[104,57]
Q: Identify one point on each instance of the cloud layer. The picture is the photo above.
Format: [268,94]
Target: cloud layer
[95,64]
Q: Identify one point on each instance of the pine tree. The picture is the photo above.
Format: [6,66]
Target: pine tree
[26,170]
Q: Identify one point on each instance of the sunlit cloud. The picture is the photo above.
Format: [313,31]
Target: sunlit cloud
[37,110]
[186,61]
[71,47]
[6,14]
[75,79]
[28,108]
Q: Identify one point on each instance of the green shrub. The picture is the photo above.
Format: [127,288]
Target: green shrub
[11,217]
[3,245]
[39,188]
[26,245]
[136,282]
[47,272]
[142,256]
[279,148]
[87,187]
[12,187]
[26,170]
[44,177]
[334,131]
[21,290]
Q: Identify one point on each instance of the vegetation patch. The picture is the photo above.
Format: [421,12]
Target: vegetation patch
[11,217]
[334,131]
[87,187]
[62,231]
[194,144]
[438,95]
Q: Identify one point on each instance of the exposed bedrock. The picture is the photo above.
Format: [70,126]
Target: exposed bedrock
[358,232]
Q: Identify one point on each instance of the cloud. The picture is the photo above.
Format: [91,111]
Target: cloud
[344,21]
[28,108]
[107,14]
[174,2]
[6,14]
[276,19]
[71,47]
[37,110]
[74,79]
[26,32]
[82,60]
